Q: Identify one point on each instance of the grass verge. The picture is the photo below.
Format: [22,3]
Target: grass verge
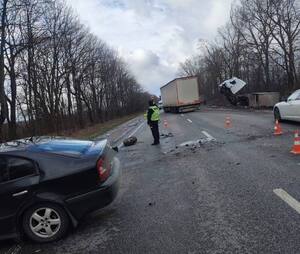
[99,129]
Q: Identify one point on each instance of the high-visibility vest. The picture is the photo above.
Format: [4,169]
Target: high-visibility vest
[155,114]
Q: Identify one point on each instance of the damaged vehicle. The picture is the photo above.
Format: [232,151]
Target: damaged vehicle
[289,109]
[48,184]
[231,88]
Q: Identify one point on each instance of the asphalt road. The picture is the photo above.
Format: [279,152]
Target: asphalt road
[206,189]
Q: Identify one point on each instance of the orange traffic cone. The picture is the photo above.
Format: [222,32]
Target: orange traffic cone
[277,129]
[228,122]
[296,148]
[165,124]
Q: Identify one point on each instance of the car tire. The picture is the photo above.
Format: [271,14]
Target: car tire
[45,223]
[277,115]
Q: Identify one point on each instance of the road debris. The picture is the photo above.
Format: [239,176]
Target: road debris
[193,146]
[130,141]
[168,135]
[195,143]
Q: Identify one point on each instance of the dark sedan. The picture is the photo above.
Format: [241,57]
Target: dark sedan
[48,184]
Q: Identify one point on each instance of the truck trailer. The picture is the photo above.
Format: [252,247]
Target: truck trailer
[181,95]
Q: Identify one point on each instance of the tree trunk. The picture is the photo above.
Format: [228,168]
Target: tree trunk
[13,85]
[3,102]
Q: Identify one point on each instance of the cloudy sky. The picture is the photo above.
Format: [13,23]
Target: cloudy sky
[153,36]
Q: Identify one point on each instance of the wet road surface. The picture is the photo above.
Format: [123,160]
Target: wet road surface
[205,189]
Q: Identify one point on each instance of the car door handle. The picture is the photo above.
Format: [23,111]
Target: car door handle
[20,193]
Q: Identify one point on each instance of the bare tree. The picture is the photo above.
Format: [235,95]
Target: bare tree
[259,41]
[3,102]
[56,75]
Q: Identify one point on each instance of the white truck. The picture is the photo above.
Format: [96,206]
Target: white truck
[181,95]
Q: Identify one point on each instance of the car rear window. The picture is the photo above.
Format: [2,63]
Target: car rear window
[64,147]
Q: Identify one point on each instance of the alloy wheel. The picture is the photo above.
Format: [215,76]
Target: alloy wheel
[45,222]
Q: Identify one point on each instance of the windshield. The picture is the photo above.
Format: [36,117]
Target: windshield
[295,96]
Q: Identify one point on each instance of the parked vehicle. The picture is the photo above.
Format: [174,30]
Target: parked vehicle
[47,184]
[181,95]
[289,109]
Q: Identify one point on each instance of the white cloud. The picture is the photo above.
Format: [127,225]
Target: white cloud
[153,36]
[219,14]
[149,68]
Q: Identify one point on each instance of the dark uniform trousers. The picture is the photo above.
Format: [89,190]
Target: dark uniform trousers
[155,131]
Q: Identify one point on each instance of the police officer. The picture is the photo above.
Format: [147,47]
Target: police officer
[153,119]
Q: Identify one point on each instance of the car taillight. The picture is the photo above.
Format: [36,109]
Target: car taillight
[103,170]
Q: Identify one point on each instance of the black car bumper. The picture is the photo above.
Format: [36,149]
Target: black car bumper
[96,199]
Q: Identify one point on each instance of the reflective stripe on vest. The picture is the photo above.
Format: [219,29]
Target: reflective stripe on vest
[155,114]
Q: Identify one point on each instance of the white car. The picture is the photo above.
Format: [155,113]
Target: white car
[289,109]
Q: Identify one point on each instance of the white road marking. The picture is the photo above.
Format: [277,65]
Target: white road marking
[131,134]
[209,137]
[288,199]
[189,120]
[123,135]
[182,115]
